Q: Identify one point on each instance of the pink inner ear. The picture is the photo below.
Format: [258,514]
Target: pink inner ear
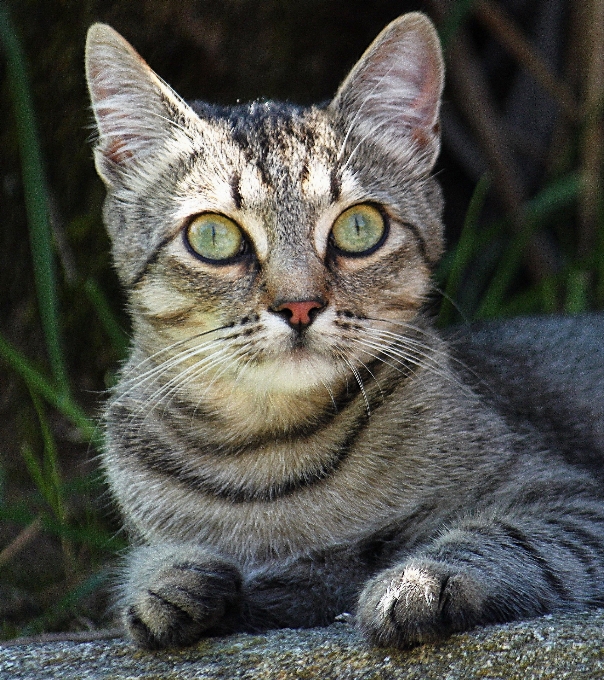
[416,78]
[117,150]
[394,90]
[123,98]
[116,146]
[428,88]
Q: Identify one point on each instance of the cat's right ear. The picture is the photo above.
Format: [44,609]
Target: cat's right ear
[136,113]
[392,95]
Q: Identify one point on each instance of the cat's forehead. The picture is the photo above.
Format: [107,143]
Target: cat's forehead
[276,170]
[269,125]
[272,167]
[284,145]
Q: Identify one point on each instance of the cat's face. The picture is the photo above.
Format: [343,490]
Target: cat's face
[278,248]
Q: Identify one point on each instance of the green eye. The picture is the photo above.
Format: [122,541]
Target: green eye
[214,237]
[358,230]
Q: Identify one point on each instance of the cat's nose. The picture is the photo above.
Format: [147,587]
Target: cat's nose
[299,313]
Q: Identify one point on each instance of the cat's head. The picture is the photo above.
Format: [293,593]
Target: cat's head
[277,244]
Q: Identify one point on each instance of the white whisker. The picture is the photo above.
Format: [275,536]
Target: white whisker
[135,370]
[359,380]
[377,357]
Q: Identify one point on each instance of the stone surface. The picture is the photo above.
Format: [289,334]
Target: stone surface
[553,647]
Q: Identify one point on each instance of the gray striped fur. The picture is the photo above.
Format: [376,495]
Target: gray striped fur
[278,475]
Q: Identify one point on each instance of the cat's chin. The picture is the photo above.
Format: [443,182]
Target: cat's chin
[293,372]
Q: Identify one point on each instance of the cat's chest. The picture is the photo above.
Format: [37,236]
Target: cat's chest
[323,485]
[330,474]
[336,510]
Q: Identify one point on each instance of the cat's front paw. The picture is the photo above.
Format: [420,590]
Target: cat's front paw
[419,601]
[174,597]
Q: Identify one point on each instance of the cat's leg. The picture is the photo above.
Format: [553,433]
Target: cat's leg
[489,570]
[173,594]
[303,591]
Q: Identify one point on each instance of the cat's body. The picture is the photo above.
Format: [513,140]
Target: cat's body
[290,432]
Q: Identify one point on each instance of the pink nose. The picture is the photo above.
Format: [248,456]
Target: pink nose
[298,314]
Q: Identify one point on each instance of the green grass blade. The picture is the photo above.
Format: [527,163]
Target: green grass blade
[67,603]
[37,382]
[118,338]
[578,286]
[455,19]
[93,535]
[50,469]
[553,198]
[35,472]
[36,197]
[509,265]
[464,251]
[542,298]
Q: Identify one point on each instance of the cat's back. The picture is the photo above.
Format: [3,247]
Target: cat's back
[545,374]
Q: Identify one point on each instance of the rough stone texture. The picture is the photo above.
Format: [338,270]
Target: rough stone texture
[556,647]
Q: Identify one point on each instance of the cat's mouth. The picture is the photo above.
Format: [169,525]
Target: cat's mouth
[300,345]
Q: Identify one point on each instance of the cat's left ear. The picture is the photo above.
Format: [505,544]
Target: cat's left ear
[392,95]
[139,118]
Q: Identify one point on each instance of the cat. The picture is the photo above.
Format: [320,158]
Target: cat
[291,438]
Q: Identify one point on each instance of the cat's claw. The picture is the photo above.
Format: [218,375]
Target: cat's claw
[418,602]
[182,603]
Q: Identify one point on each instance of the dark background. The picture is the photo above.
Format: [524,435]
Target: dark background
[523,103]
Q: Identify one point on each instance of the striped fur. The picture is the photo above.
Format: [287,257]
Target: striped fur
[274,473]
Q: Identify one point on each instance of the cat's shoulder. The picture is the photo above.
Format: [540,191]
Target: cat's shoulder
[544,374]
[566,346]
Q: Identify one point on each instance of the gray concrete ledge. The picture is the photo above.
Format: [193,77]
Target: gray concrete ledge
[553,647]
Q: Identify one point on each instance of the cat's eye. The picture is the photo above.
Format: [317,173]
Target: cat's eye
[215,238]
[359,230]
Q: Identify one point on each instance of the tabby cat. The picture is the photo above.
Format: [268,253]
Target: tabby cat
[291,438]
